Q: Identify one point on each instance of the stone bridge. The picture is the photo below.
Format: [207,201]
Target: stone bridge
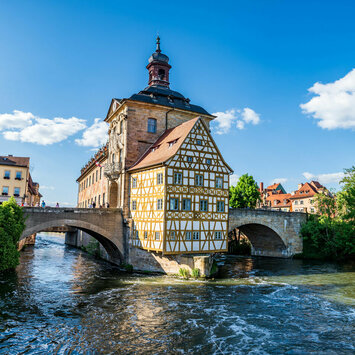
[105,225]
[271,233]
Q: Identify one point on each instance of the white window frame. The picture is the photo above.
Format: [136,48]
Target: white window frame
[177,178]
[196,236]
[134,182]
[198,180]
[204,204]
[159,178]
[187,235]
[134,205]
[159,204]
[219,204]
[184,204]
[174,207]
[218,235]
[157,235]
[219,182]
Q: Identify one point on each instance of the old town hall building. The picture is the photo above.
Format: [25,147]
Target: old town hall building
[164,170]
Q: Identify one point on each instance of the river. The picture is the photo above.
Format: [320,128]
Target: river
[60,300]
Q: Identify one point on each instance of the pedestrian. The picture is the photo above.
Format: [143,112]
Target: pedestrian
[57,205]
[43,204]
[94,204]
[107,205]
[90,205]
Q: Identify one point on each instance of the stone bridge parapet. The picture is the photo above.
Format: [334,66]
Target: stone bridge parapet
[106,225]
[271,233]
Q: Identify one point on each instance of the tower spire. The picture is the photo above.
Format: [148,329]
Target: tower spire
[158,45]
[158,67]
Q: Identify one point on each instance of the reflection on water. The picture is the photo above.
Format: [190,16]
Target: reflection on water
[60,300]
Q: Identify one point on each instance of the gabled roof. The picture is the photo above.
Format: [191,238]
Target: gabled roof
[280,198]
[307,190]
[15,161]
[161,151]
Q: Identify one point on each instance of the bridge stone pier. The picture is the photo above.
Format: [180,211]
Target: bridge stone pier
[105,225]
[271,233]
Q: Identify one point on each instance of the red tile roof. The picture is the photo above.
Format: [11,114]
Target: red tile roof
[15,161]
[307,190]
[280,198]
[161,150]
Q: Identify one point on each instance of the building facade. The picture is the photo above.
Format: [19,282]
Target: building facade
[303,199]
[16,181]
[275,197]
[163,169]
[92,183]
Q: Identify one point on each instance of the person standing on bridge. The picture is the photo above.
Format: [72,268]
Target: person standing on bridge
[94,204]
[43,204]
[57,205]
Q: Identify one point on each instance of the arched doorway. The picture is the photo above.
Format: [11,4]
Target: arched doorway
[264,240]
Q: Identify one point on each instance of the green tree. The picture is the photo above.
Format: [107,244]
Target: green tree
[346,197]
[12,224]
[245,194]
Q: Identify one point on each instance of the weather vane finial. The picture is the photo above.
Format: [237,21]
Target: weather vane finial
[158,44]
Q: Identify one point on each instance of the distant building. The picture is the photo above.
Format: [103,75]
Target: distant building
[16,181]
[303,199]
[274,197]
[92,183]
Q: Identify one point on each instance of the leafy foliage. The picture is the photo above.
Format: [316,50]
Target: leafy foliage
[195,273]
[12,224]
[245,194]
[184,273]
[331,234]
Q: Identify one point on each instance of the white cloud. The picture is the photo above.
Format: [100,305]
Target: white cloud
[279,180]
[45,131]
[238,118]
[45,187]
[325,178]
[233,179]
[334,105]
[95,135]
[15,120]
[250,116]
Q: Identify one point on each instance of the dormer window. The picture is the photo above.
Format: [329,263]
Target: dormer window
[171,143]
[152,125]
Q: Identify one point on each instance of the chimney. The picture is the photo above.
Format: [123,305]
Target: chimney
[261,187]
[300,185]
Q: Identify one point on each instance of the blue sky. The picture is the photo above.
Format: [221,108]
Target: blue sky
[250,61]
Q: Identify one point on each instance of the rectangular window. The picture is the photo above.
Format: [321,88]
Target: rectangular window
[103,199]
[89,180]
[198,142]
[159,179]
[301,202]
[7,174]
[177,178]
[157,235]
[134,183]
[188,236]
[310,201]
[174,204]
[217,235]
[208,161]
[159,204]
[137,235]
[220,206]
[203,206]
[145,235]
[5,190]
[219,182]
[96,175]
[186,204]
[18,175]
[152,125]
[99,200]
[296,202]
[134,205]
[172,235]
[100,172]
[199,180]
[16,191]
[189,159]
[196,235]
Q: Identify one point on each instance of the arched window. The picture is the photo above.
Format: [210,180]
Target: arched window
[152,125]
[161,74]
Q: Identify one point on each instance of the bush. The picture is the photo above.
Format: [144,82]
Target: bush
[184,273]
[12,224]
[195,273]
[331,239]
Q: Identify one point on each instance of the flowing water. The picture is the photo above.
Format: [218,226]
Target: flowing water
[63,301]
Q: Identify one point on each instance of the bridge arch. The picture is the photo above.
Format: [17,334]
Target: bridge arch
[105,226]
